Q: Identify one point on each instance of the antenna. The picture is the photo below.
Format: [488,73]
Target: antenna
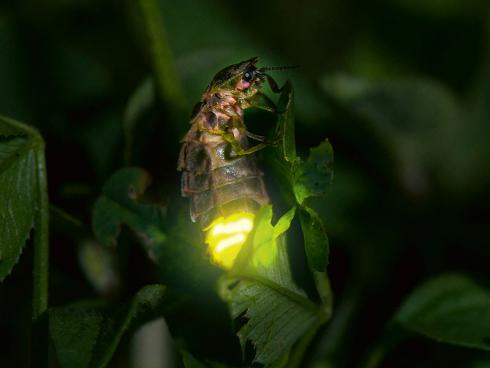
[283,67]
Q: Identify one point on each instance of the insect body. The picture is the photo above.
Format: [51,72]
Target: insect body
[219,173]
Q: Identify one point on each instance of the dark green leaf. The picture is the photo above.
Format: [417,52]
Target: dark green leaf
[278,313]
[119,204]
[74,332]
[450,308]
[422,126]
[316,240]
[20,147]
[88,336]
[285,122]
[140,101]
[190,362]
[171,241]
[480,363]
[313,176]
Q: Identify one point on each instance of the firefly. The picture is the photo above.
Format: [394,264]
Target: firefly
[217,160]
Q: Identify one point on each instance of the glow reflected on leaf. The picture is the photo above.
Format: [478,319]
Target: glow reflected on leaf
[266,234]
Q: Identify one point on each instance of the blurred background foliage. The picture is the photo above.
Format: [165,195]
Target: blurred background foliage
[401,88]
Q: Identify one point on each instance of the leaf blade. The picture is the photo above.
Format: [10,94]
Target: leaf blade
[449,308]
[312,177]
[19,153]
[316,239]
[88,336]
[263,291]
[120,205]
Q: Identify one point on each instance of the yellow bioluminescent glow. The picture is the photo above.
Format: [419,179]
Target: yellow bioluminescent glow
[225,237]
[242,225]
[229,242]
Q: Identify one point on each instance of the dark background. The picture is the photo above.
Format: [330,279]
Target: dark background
[401,88]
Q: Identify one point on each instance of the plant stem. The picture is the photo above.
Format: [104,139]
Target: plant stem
[168,84]
[40,273]
[41,238]
[375,357]
[392,336]
[330,345]
[322,284]
[297,356]
[65,216]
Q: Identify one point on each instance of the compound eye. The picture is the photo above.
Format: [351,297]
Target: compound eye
[248,76]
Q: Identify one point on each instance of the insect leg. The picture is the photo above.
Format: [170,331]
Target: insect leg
[257,147]
[256,137]
[261,101]
[237,148]
[263,139]
[273,84]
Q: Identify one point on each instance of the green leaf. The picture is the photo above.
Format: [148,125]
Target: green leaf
[170,241]
[480,363]
[85,336]
[449,308]
[285,122]
[316,240]
[142,99]
[262,290]
[312,177]
[404,116]
[21,148]
[191,362]
[119,204]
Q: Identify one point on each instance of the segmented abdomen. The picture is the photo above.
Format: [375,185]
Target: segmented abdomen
[216,184]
